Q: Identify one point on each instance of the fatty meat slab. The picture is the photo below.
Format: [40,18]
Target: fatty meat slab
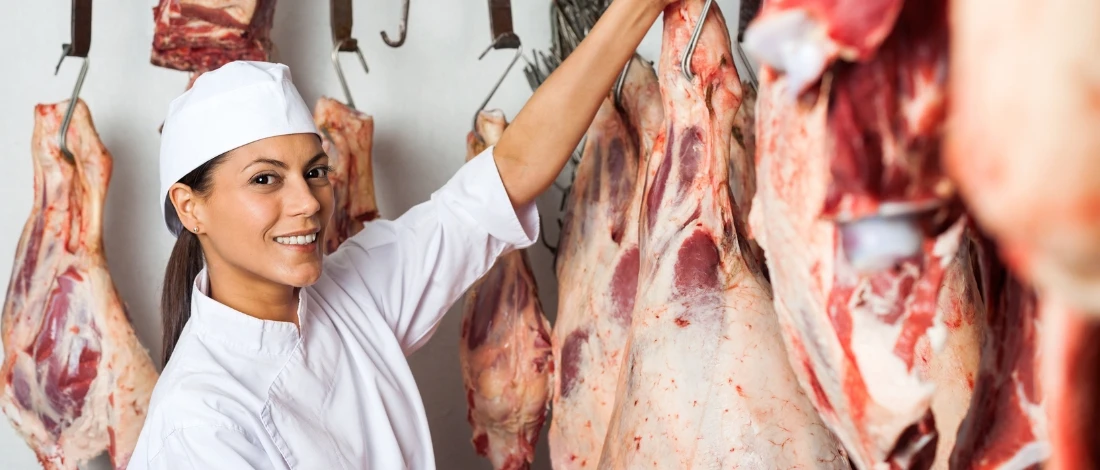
[201,35]
[348,135]
[705,381]
[504,348]
[858,289]
[599,270]
[802,38]
[1024,145]
[1006,428]
[74,381]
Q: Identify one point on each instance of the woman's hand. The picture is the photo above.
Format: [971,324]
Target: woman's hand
[538,143]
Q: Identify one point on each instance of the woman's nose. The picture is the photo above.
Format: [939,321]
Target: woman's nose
[301,201]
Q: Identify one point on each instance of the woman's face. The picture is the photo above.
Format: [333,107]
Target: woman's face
[266,215]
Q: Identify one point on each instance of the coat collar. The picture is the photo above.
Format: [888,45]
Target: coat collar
[238,329]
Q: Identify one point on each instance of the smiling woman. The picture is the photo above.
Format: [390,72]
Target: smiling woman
[279,356]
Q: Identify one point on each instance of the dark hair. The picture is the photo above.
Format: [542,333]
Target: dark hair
[183,266]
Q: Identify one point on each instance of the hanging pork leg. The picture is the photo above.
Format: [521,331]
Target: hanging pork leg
[598,269]
[505,347]
[201,35]
[348,136]
[74,381]
[705,381]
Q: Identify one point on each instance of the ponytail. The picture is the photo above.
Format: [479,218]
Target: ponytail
[175,302]
[183,266]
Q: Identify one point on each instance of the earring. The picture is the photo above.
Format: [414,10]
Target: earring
[196,229]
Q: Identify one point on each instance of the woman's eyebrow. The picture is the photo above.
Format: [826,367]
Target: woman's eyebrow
[269,161]
[317,157]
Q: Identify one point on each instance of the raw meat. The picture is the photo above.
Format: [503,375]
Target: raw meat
[954,368]
[802,38]
[705,381]
[1007,423]
[201,35]
[1070,354]
[1024,145]
[858,291]
[598,269]
[743,165]
[348,136]
[505,347]
[74,381]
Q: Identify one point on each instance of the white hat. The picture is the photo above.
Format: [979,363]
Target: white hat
[234,105]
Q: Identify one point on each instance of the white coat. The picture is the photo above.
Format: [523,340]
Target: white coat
[245,393]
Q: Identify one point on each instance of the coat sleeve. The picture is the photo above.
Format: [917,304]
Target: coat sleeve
[211,448]
[414,268]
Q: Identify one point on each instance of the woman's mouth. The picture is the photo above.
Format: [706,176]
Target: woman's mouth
[299,241]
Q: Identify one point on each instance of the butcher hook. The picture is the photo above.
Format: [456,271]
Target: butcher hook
[685,61]
[340,17]
[81,32]
[401,27]
[340,73]
[500,20]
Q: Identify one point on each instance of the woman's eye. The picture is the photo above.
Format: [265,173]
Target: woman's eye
[262,179]
[319,172]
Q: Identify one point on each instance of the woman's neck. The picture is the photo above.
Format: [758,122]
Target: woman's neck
[253,296]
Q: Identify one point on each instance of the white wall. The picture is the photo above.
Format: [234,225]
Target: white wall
[422,95]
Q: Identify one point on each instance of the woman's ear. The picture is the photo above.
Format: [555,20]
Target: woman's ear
[186,204]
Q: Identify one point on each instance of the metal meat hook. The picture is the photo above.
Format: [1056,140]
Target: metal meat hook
[401,27]
[502,41]
[685,61]
[340,72]
[81,31]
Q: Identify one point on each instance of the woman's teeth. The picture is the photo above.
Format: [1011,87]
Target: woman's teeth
[298,240]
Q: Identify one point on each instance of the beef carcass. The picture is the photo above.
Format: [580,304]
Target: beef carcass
[348,136]
[1024,146]
[1068,370]
[201,35]
[598,269]
[505,347]
[74,381]
[705,381]
[857,281]
[802,38]
[1006,428]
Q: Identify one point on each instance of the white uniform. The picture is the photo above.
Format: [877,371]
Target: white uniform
[241,392]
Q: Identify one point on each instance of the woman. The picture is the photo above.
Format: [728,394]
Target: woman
[278,357]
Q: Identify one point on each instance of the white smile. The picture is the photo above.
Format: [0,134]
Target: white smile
[298,240]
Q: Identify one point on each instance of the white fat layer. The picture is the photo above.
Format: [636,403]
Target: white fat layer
[790,42]
[297,240]
[878,243]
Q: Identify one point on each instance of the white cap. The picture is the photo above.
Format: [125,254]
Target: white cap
[236,104]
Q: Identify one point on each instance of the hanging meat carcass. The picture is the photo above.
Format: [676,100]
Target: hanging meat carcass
[705,381]
[201,35]
[348,136]
[861,231]
[802,38]
[1006,428]
[1024,145]
[1068,370]
[74,381]
[598,268]
[505,347]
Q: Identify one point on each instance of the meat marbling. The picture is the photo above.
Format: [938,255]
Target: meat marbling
[598,269]
[885,354]
[1025,146]
[74,381]
[201,35]
[348,136]
[705,381]
[504,349]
